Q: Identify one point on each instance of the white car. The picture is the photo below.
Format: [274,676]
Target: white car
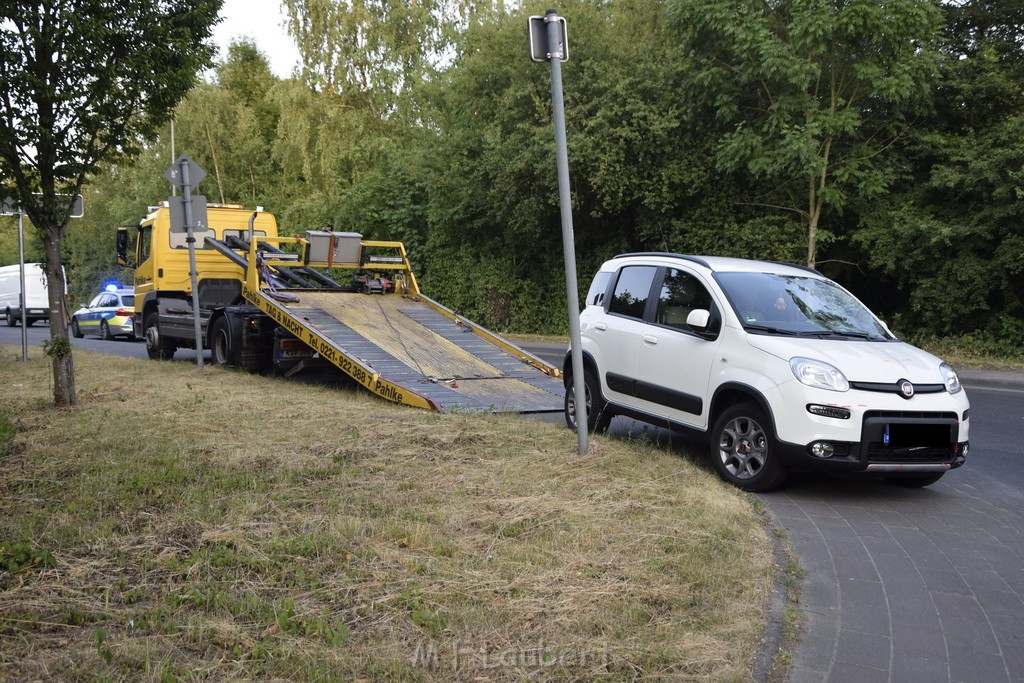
[780,368]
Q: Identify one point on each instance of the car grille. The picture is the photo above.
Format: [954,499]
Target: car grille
[879,452]
[914,437]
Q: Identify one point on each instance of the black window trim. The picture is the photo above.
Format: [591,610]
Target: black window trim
[651,313]
[610,294]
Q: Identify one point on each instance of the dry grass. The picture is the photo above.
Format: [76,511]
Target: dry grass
[179,525]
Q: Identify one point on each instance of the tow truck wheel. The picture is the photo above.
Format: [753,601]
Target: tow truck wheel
[220,343]
[157,347]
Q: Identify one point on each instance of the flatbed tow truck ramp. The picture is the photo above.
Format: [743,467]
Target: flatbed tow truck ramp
[411,350]
[287,303]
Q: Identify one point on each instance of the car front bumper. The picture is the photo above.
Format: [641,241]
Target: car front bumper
[874,432]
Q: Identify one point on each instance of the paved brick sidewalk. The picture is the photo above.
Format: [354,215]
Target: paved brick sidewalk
[907,585]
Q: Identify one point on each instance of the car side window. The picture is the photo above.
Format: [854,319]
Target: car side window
[95,303]
[632,290]
[598,288]
[681,293]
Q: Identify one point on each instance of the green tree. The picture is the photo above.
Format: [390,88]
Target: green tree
[809,94]
[82,83]
[950,237]
[375,52]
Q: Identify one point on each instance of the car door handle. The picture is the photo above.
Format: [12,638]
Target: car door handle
[650,340]
[600,327]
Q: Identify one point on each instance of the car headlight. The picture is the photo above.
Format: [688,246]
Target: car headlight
[819,374]
[950,378]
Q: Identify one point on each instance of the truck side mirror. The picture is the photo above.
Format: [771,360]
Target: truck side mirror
[122,246]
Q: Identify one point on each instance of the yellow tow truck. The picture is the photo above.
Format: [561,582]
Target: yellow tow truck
[288,303]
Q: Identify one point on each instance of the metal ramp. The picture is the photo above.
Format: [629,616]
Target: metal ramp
[413,351]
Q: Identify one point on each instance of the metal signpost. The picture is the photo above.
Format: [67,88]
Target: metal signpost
[8,207]
[549,42]
[185,174]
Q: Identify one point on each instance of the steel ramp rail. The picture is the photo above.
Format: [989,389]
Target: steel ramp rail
[405,351]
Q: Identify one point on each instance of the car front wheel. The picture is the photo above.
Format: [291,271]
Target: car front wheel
[744,450]
[76,331]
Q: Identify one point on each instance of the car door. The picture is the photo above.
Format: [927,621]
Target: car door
[674,362]
[617,332]
[90,320]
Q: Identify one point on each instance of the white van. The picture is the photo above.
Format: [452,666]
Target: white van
[37,299]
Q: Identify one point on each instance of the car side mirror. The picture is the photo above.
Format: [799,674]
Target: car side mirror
[702,324]
[698,320]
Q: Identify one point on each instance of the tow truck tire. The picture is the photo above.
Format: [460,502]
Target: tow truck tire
[220,343]
[157,347]
[76,331]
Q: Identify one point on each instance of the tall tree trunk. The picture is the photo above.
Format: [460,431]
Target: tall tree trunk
[59,347]
[816,188]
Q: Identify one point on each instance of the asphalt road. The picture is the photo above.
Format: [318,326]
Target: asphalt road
[900,585]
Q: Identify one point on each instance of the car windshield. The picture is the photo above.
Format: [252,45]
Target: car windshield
[769,303]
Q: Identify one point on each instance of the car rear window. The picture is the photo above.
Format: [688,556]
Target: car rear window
[128,299]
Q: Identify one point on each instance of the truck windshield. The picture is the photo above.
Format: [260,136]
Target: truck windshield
[769,303]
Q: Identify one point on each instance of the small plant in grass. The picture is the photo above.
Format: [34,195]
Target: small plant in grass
[24,554]
[6,434]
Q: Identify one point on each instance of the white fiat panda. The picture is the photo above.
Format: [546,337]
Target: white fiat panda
[779,367]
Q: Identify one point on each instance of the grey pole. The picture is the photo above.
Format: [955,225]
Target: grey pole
[555,53]
[21,263]
[186,192]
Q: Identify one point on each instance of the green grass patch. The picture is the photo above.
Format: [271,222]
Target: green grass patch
[180,525]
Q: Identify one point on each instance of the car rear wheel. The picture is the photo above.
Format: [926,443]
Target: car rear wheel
[105,331]
[10,318]
[744,450]
[598,414]
[76,331]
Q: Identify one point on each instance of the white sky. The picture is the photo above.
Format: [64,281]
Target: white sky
[263,21]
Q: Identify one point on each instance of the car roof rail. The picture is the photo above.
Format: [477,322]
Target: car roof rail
[684,257]
[798,266]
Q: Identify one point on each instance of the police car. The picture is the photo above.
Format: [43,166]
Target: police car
[110,314]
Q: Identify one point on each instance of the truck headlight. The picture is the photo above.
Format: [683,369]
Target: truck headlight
[950,378]
[819,374]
